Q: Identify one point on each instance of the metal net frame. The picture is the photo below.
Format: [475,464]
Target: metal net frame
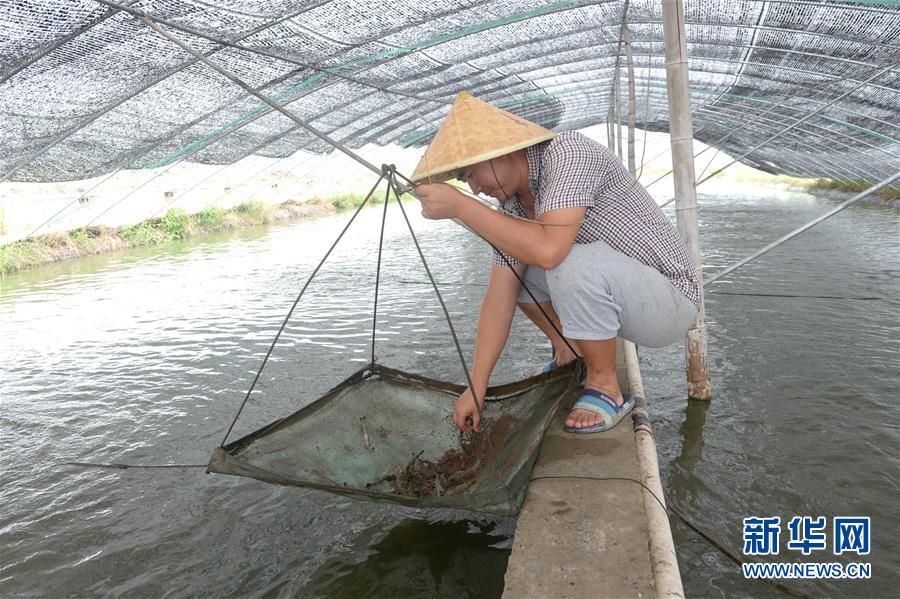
[87,89]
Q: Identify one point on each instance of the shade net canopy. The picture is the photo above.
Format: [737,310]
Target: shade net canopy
[87,89]
[386,435]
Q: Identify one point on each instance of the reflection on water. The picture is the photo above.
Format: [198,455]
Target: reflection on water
[144,357]
[420,559]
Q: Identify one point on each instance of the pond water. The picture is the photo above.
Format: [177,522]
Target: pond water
[144,357]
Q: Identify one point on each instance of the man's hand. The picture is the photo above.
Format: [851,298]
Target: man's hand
[465,416]
[439,200]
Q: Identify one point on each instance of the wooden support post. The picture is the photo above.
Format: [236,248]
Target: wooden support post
[610,120]
[629,63]
[680,130]
[618,105]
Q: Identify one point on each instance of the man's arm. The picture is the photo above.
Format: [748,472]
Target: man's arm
[545,243]
[494,321]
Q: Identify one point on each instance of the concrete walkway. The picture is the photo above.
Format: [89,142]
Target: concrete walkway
[583,538]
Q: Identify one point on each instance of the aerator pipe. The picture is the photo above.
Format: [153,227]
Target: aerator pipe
[260,96]
[799,121]
[805,227]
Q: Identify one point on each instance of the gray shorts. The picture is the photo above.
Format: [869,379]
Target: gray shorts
[600,293]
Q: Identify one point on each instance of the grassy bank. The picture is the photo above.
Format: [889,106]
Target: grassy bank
[175,224]
[888,192]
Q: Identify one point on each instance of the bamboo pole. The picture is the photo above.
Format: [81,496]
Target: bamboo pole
[663,559]
[610,120]
[618,124]
[680,130]
[863,194]
[629,63]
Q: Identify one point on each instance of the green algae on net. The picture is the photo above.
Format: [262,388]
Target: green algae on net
[386,435]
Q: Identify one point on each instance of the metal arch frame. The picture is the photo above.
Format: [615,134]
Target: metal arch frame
[731,98]
[247,153]
[94,116]
[749,98]
[642,40]
[265,26]
[858,140]
[842,108]
[117,168]
[271,139]
[364,83]
[712,59]
[497,23]
[696,89]
[816,170]
[772,128]
[725,116]
[115,104]
[805,86]
[835,5]
[770,29]
[41,53]
[698,71]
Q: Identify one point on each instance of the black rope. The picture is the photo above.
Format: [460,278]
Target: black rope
[518,277]
[393,183]
[735,559]
[387,197]
[840,297]
[294,305]
[836,297]
[625,478]
[672,511]
[119,466]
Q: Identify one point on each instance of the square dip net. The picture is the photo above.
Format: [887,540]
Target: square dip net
[386,435]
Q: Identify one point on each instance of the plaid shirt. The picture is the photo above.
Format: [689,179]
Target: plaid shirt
[572,170]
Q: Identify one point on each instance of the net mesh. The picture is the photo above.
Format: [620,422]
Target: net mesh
[86,89]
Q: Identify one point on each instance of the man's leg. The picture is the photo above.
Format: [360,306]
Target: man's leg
[599,294]
[536,281]
[533,312]
[600,360]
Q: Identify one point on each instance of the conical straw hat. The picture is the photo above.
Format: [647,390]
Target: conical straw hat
[475,131]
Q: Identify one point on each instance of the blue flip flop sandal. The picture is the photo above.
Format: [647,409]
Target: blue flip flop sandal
[601,403]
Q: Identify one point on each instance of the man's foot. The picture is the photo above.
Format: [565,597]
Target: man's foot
[558,361]
[583,418]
